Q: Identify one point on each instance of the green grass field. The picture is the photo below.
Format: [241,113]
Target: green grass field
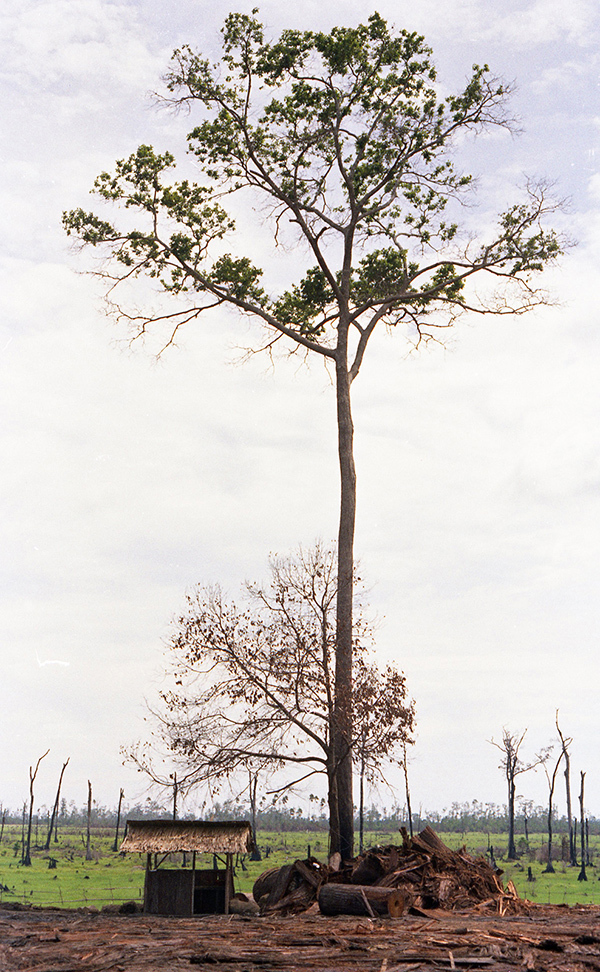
[110,879]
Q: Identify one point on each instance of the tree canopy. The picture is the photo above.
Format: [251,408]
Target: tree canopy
[345,133]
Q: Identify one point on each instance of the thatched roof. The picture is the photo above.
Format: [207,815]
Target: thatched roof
[204,836]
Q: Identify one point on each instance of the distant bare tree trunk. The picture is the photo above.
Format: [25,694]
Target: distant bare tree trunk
[55,808]
[361,796]
[582,876]
[549,869]
[116,843]
[513,766]
[565,743]
[2,825]
[407,791]
[88,844]
[174,778]
[252,788]
[26,861]
[587,842]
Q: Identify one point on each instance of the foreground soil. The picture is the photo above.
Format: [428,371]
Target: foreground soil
[556,938]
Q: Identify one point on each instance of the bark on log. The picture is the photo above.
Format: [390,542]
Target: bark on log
[351,899]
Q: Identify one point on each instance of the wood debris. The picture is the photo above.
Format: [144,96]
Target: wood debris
[548,939]
[423,872]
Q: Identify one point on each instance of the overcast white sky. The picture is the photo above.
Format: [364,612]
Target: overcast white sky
[124,482]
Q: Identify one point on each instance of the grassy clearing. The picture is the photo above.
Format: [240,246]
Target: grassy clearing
[110,879]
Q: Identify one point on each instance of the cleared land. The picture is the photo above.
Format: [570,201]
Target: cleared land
[556,939]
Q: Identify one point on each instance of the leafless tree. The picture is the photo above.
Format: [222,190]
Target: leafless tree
[513,766]
[254,688]
[116,840]
[582,876]
[407,788]
[88,845]
[26,860]
[53,825]
[543,757]
[566,743]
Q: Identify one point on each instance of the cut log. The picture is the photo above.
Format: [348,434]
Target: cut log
[398,903]
[351,899]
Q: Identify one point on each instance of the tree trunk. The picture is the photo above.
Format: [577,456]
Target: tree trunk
[572,847]
[357,899]
[88,844]
[512,851]
[342,728]
[565,743]
[332,802]
[582,876]
[55,807]
[407,790]
[116,842]
[174,778]
[361,802]
[549,869]
[26,861]
[252,787]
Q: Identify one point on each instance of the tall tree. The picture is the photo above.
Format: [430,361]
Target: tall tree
[253,689]
[512,765]
[345,142]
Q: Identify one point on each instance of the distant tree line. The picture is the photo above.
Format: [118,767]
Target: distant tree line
[459,818]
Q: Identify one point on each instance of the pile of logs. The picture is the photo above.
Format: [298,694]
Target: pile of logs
[421,874]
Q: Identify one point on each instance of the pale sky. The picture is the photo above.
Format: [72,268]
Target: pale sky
[125,482]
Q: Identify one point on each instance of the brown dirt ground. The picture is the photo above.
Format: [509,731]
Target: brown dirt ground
[558,939]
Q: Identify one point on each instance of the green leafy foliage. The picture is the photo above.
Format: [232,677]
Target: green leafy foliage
[345,135]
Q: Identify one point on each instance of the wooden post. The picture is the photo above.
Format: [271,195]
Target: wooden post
[228,882]
[193,881]
[146,888]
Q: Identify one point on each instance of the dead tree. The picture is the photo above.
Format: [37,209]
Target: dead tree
[26,860]
[549,869]
[565,743]
[582,876]
[53,820]
[407,790]
[512,766]
[173,776]
[88,845]
[252,788]
[116,841]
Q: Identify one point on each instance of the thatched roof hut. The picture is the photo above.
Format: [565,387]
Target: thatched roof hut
[187,892]
[201,836]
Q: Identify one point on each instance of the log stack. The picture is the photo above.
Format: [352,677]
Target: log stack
[420,874]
